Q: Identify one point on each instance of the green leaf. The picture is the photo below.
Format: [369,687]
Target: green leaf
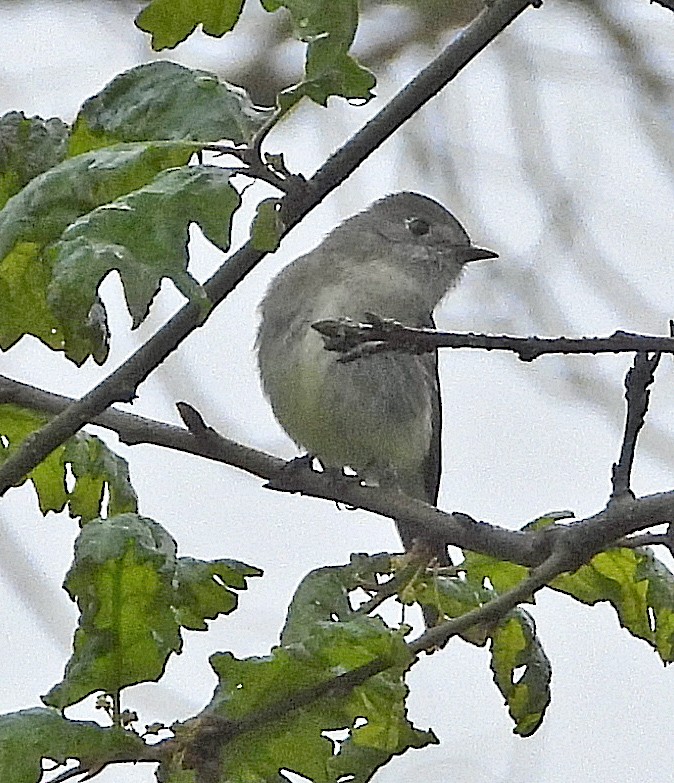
[288,738]
[323,594]
[48,478]
[121,579]
[329,71]
[144,236]
[201,589]
[329,29]
[38,215]
[28,736]
[267,226]
[172,21]
[133,593]
[451,597]
[501,574]
[28,147]
[97,469]
[276,698]
[514,645]
[164,100]
[513,642]
[637,585]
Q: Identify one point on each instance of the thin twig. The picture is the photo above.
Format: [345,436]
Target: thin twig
[256,167]
[70,773]
[645,539]
[356,340]
[638,379]
[388,589]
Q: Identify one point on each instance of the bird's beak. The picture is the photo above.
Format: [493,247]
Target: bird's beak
[468,253]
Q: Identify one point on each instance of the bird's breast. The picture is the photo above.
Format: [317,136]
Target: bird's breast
[374,414]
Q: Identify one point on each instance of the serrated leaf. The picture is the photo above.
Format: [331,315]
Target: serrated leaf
[121,579]
[133,593]
[97,470]
[28,736]
[144,236]
[28,147]
[329,71]
[38,215]
[328,28]
[513,642]
[165,100]
[48,478]
[514,645]
[24,278]
[373,713]
[267,226]
[171,22]
[637,585]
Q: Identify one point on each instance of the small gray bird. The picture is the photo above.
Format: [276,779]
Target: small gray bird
[379,415]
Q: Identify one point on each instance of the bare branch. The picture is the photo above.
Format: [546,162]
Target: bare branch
[70,773]
[256,167]
[356,340]
[646,539]
[584,537]
[133,429]
[638,379]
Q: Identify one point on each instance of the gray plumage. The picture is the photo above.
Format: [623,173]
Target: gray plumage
[380,415]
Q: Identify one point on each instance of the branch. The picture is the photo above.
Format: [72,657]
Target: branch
[493,611]
[647,539]
[356,340]
[133,430]
[149,753]
[213,732]
[70,773]
[637,381]
[585,537]
[121,384]
[258,168]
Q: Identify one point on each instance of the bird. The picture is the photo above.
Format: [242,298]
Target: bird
[379,415]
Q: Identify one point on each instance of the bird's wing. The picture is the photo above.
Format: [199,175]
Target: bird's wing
[433,461]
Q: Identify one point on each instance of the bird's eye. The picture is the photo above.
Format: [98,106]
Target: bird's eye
[417,226]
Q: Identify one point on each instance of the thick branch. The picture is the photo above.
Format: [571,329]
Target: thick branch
[585,537]
[121,385]
[355,340]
